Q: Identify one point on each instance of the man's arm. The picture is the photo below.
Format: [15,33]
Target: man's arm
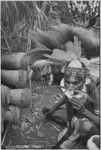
[79,105]
[92,117]
[56,106]
[93,91]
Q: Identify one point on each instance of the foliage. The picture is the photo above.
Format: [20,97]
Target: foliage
[20,18]
[84,11]
[75,12]
[74,47]
[17,18]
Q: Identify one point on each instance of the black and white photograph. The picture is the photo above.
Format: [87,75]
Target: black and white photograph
[50,74]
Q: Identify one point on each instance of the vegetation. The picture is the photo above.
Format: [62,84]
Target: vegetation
[20,18]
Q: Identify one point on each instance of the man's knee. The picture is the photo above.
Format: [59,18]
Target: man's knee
[87,127]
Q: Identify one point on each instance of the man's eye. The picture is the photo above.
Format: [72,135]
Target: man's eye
[80,74]
[67,72]
[73,73]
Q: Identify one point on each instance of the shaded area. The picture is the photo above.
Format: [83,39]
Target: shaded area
[33,130]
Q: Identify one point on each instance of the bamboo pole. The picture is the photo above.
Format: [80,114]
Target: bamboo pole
[15,78]
[19,97]
[13,61]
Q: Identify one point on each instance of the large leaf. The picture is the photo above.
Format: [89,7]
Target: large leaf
[74,47]
[92,65]
[60,55]
[95,60]
[93,69]
[35,55]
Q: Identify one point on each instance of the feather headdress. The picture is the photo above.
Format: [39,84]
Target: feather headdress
[73,52]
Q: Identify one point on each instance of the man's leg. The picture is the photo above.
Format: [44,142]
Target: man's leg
[49,112]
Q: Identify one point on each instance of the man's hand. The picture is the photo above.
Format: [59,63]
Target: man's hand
[94,92]
[79,104]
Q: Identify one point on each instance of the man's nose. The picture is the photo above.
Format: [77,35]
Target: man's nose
[72,79]
[71,86]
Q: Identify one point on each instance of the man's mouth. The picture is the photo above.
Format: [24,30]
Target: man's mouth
[73,86]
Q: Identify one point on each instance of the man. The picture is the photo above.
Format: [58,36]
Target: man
[81,113]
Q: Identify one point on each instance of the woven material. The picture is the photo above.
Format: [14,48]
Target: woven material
[20,97]
[15,78]
[11,61]
[5,95]
[12,114]
[24,63]
[23,79]
[26,97]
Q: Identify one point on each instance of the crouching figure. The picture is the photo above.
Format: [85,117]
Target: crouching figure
[82,107]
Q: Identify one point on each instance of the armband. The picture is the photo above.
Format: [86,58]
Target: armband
[97,112]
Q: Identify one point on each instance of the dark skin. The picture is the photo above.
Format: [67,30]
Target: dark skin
[79,103]
[80,106]
[73,78]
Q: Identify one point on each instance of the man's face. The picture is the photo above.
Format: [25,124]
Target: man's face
[74,78]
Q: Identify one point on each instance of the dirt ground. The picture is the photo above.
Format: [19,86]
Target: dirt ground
[33,130]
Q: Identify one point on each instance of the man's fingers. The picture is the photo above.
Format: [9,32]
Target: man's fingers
[76,100]
[75,107]
[79,100]
[76,103]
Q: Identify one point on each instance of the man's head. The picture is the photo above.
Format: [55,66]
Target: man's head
[75,75]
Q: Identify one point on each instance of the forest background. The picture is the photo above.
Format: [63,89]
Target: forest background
[20,19]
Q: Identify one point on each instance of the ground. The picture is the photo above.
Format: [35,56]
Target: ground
[33,130]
